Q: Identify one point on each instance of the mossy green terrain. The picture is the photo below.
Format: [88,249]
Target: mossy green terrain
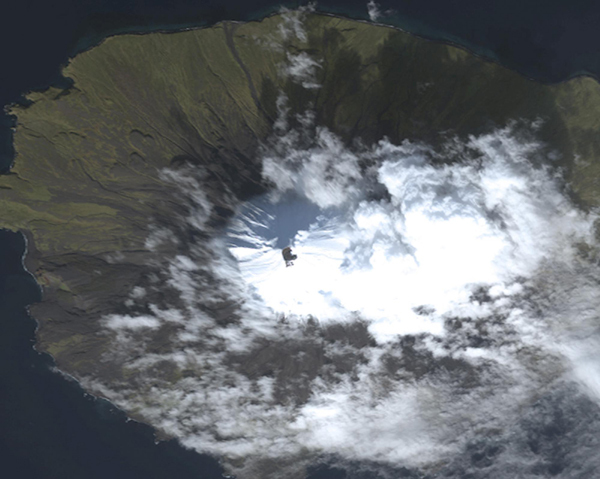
[86,183]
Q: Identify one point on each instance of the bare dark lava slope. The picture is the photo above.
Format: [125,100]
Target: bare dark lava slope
[144,160]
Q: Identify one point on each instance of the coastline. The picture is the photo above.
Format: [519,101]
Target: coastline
[30,259]
[32,256]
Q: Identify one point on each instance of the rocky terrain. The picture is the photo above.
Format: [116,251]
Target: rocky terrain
[104,168]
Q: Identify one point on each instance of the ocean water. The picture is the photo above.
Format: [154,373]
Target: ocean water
[550,41]
[49,427]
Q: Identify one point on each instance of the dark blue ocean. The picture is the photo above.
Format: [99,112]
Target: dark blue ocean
[49,428]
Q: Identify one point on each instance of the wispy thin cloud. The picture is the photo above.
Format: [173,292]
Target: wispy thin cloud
[374,10]
[437,295]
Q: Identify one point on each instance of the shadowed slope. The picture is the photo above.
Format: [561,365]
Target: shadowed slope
[89,186]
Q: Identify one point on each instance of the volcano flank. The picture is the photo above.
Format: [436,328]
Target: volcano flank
[310,240]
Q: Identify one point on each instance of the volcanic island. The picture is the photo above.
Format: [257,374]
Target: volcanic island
[106,168]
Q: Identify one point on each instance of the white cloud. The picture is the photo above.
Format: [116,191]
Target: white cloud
[374,10]
[326,174]
[478,256]
[376,13]
[445,231]
[291,25]
[137,292]
[290,29]
[299,67]
[188,180]
[116,322]
[158,237]
[302,69]
[281,123]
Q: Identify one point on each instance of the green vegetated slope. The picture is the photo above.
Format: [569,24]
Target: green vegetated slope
[86,181]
